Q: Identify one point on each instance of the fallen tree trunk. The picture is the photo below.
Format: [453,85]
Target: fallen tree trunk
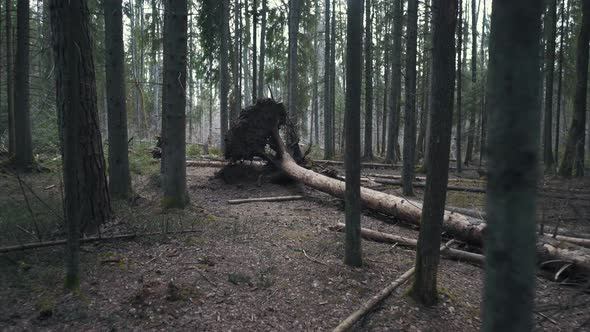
[378,298]
[205,163]
[258,129]
[265,199]
[376,236]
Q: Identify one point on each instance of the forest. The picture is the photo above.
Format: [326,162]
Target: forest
[294,165]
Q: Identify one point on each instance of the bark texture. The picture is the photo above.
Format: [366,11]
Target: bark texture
[119,177]
[410,101]
[513,95]
[573,158]
[175,194]
[424,289]
[392,151]
[368,149]
[23,153]
[87,199]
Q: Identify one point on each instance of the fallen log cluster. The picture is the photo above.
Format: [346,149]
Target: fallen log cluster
[463,227]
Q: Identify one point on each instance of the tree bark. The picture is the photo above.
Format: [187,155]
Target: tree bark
[551,28]
[254,50]
[119,177]
[23,153]
[175,194]
[513,95]
[292,77]
[459,105]
[352,162]
[262,51]
[223,71]
[9,80]
[573,158]
[237,93]
[87,199]
[368,148]
[441,122]
[473,106]
[410,101]
[396,74]
[328,112]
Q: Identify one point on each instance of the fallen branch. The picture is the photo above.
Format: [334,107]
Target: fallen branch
[205,163]
[37,245]
[265,199]
[378,298]
[376,236]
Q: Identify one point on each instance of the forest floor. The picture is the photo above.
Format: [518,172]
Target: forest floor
[265,266]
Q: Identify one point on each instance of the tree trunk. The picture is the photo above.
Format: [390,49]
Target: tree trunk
[245,63]
[563,28]
[573,157]
[459,88]
[119,177]
[473,106]
[368,150]
[333,76]
[9,81]
[513,96]
[155,67]
[262,51]
[223,72]
[551,28]
[292,77]
[441,122]
[23,153]
[396,74]
[328,112]
[352,155]
[410,101]
[237,101]
[174,142]
[87,200]
[314,133]
[254,50]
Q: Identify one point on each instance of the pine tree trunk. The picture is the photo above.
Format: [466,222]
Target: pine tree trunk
[460,45]
[328,112]
[441,122]
[262,51]
[223,71]
[175,64]
[9,81]
[333,78]
[424,105]
[237,102]
[314,134]
[368,150]
[573,158]
[155,67]
[513,95]
[473,106]
[119,177]
[23,153]
[352,244]
[87,200]
[563,29]
[292,77]
[394,93]
[551,28]
[410,101]
[245,61]
[254,50]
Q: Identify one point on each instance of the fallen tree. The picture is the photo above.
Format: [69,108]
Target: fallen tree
[265,199]
[258,129]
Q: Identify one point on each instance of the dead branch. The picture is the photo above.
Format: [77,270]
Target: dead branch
[265,199]
[37,245]
[378,298]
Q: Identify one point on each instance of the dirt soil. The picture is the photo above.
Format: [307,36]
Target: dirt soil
[266,266]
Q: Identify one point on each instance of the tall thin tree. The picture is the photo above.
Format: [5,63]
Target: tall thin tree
[368,150]
[439,144]
[395,91]
[9,79]
[119,177]
[354,28]
[87,200]
[328,128]
[223,70]
[260,92]
[254,50]
[237,100]
[513,94]
[473,104]
[410,101]
[573,158]
[23,153]
[175,194]
[551,29]
[460,45]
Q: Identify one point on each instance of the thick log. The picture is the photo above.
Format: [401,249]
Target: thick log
[265,199]
[368,306]
[463,227]
[376,236]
